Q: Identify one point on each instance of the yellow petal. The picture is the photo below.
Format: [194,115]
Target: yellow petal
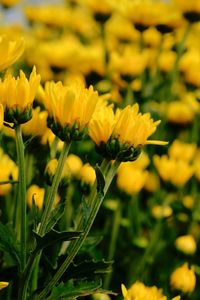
[124,290]
[3,284]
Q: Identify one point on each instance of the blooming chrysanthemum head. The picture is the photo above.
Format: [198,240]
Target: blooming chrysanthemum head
[17,95]
[183,279]
[70,108]
[138,291]
[121,135]
[10,51]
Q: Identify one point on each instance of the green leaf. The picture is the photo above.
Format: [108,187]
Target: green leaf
[8,242]
[69,291]
[100,181]
[56,215]
[88,268]
[52,237]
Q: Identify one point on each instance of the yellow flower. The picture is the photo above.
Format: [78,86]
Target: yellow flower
[138,291]
[133,128]
[9,3]
[74,163]
[102,123]
[130,61]
[37,193]
[17,96]
[10,51]
[70,108]
[9,171]
[159,211]
[178,172]
[183,279]
[180,150]
[37,126]
[131,179]
[188,201]
[191,9]
[186,244]
[87,174]
[122,134]
[3,284]
[180,112]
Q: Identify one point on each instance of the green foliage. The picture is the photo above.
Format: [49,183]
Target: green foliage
[52,237]
[8,242]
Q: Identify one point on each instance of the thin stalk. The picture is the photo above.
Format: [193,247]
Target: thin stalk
[112,245]
[22,194]
[56,180]
[34,278]
[54,147]
[75,246]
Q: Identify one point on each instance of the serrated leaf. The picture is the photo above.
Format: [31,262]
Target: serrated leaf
[69,291]
[53,237]
[56,215]
[100,181]
[8,242]
[88,268]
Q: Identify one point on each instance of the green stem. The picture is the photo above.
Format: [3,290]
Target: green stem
[56,180]
[75,246]
[34,278]
[112,245]
[54,147]
[22,194]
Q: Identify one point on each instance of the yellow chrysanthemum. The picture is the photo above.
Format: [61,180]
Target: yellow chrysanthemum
[180,150]
[186,244]
[159,211]
[87,174]
[37,194]
[191,9]
[37,126]
[10,51]
[138,291]
[70,108]
[131,179]
[183,279]
[9,171]
[102,124]
[177,171]
[120,135]
[17,96]
[134,128]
